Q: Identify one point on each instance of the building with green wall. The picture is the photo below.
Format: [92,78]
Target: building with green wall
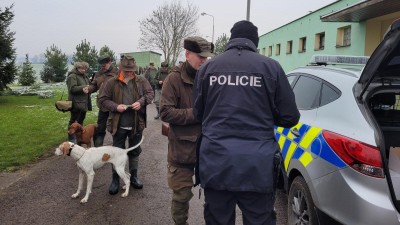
[344,27]
[144,58]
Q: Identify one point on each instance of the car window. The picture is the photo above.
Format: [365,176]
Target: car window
[307,92]
[328,95]
[291,78]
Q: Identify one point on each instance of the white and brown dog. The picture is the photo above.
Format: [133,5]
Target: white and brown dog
[91,159]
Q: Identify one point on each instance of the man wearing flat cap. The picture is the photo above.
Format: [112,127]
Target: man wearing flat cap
[176,108]
[125,96]
[239,97]
[106,72]
[159,81]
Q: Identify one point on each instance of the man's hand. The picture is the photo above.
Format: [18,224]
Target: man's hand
[136,106]
[121,108]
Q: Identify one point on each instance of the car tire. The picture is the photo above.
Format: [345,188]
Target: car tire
[300,204]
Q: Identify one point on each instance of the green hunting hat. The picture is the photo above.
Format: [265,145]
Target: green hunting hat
[199,46]
[104,59]
[127,63]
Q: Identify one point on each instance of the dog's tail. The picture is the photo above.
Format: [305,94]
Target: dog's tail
[137,145]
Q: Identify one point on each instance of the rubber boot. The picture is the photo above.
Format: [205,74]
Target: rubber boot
[158,113]
[180,205]
[133,166]
[98,141]
[72,138]
[114,187]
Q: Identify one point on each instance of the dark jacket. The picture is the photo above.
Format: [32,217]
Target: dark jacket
[160,76]
[112,96]
[99,79]
[240,96]
[76,81]
[176,108]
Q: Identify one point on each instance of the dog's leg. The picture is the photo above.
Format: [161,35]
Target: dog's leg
[125,177]
[80,183]
[90,177]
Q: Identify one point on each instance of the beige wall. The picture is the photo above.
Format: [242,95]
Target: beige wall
[375,29]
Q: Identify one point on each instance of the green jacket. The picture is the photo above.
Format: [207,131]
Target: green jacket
[76,81]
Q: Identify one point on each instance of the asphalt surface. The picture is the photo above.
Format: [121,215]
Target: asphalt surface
[41,193]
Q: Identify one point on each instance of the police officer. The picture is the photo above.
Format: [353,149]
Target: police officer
[185,130]
[106,72]
[239,97]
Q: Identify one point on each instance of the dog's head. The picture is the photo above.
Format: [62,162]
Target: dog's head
[75,127]
[64,149]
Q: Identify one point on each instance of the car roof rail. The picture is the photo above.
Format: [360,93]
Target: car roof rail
[323,60]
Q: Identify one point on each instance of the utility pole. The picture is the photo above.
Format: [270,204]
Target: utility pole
[248,10]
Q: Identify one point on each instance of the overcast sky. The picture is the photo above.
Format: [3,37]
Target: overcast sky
[40,23]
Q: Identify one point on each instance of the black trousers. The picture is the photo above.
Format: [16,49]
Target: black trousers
[119,140]
[101,128]
[220,207]
[78,117]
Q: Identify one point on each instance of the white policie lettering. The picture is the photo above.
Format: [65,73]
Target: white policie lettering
[230,80]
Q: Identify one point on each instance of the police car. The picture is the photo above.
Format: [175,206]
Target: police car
[341,163]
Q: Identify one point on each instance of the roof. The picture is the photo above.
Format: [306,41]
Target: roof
[363,10]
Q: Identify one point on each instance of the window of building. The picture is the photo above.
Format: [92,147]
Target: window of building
[302,44]
[270,50]
[278,49]
[319,41]
[343,37]
[263,51]
[289,46]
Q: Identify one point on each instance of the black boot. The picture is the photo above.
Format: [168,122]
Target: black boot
[114,187]
[133,166]
[158,113]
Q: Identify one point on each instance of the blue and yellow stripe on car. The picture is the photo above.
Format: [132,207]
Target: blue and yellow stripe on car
[306,147]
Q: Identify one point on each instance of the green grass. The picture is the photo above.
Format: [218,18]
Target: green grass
[30,127]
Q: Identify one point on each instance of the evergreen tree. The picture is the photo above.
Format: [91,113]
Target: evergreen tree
[26,75]
[220,44]
[87,53]
[8,69]
[47,74]
[55,65]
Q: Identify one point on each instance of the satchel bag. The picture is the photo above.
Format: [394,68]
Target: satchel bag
[165,129]
[63,105]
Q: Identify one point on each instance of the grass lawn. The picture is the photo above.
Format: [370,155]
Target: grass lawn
[30,127]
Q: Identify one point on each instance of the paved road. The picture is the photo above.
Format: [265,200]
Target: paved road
[41,193]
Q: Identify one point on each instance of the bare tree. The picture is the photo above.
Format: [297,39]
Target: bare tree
[166,28]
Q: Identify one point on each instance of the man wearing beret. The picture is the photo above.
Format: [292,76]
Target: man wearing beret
[106,72]
[239,97]
[176,108]
[125,96]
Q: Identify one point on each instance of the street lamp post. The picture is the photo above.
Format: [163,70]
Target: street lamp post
[204,14]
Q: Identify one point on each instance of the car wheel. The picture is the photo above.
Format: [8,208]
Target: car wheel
[300,204]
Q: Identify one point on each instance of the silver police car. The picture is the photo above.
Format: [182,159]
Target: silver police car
[341,163]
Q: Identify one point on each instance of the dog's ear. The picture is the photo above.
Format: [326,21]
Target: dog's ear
[64,148]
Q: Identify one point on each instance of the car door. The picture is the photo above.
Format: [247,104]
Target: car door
[293,141]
